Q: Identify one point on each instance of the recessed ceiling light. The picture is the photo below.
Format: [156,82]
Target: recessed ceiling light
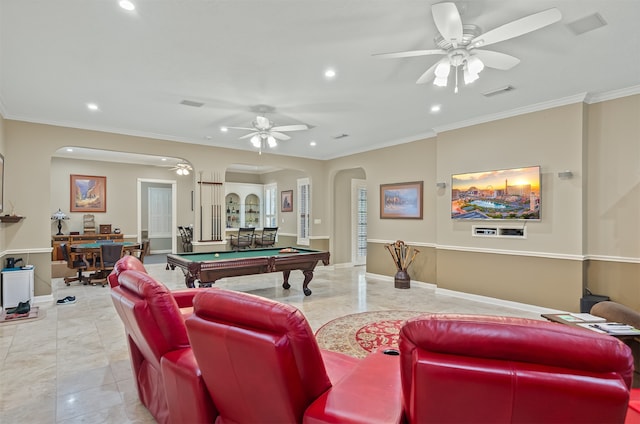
[435,108]
[127,5]
[330,73]
[92,106]
[224,129]
[313,143]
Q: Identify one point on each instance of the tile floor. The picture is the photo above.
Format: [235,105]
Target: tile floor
[72,366]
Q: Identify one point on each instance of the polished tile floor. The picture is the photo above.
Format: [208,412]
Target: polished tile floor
[72,366]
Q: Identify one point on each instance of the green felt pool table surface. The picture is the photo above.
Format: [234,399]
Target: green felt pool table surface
[208,267]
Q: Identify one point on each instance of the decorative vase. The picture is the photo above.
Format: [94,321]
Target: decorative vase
[402,280]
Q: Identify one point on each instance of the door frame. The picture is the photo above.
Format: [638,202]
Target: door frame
[174,209]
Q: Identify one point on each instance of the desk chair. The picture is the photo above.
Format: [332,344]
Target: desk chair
[267,238]
[142,251]
[77,262]
[243,239]
[108,255]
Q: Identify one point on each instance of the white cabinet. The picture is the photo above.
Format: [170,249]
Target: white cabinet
[243,203]
[17,286]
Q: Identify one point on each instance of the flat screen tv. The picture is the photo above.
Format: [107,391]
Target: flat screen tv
[498,194]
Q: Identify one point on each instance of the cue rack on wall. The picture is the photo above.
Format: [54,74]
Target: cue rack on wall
[212,215]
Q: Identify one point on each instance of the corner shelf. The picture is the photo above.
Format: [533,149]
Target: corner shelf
[11,218]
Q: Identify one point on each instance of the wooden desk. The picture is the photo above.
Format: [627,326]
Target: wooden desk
[56,241]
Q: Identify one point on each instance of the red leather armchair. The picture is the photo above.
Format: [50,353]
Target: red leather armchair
[125,263]
[166,373]
[261,363]
[463,368]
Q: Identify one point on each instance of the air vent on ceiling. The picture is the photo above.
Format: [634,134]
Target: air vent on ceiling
[497,91]
[586,24]
[339,136]
[191,103]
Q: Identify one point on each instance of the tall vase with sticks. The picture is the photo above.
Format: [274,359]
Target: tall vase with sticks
[402,256]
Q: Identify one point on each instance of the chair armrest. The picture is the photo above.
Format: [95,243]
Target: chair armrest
[184,298]
[186,392]
[371,393]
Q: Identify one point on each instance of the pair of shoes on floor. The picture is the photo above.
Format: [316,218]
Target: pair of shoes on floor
[22,308]
[67,300]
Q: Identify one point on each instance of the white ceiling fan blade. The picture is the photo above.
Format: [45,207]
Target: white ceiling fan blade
[280,136]
[518,27]
[262,123]
[248,135]
[496,60]
[240,128]
[448,22]
[409,53]
[290,128]
[429,74]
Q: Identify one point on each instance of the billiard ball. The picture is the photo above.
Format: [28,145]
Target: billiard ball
[216,255]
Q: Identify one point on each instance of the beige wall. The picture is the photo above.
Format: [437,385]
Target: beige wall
[588,234]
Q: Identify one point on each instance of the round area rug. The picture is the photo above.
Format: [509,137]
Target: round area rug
[359,334]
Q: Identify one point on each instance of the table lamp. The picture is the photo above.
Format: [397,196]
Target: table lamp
[59,216]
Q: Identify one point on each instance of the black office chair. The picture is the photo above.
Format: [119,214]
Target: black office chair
[243,240]
[75,261]
[267,238]
[108,255]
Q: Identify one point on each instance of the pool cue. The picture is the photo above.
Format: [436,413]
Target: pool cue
[200,183]
[212,212]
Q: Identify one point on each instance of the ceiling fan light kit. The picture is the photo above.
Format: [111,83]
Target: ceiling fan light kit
[264,133]
[460,42]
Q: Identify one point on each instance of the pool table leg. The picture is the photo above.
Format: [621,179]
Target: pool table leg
[285,276]
[308,275]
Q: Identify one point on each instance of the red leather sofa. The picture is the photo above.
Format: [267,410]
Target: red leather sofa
[257,360]
[166,374]
[464,368]
[261,364]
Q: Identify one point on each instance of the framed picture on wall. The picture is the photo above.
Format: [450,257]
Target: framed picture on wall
[286,201]
[401,200]
[88,193]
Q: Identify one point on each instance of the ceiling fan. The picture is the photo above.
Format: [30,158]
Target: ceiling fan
[459,43]
[263,133]
[182,168]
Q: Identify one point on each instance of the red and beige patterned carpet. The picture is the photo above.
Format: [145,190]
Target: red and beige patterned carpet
[359,334]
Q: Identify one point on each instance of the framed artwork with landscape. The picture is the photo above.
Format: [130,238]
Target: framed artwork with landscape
[286,201]
[88,193]
[401,200]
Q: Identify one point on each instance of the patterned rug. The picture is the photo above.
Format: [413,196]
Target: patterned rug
[359,334]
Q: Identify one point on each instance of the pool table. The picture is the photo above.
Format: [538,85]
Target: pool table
[211,266]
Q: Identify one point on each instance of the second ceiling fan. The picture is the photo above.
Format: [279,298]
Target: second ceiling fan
[460,44]
[264,133]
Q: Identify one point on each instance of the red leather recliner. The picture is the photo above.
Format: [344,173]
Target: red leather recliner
[463,368]
[125,263]
[261,363]
[166,373]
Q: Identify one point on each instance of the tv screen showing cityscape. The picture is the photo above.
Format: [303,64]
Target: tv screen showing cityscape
[498,194]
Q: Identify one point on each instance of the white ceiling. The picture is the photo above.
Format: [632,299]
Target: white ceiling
[234,56]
